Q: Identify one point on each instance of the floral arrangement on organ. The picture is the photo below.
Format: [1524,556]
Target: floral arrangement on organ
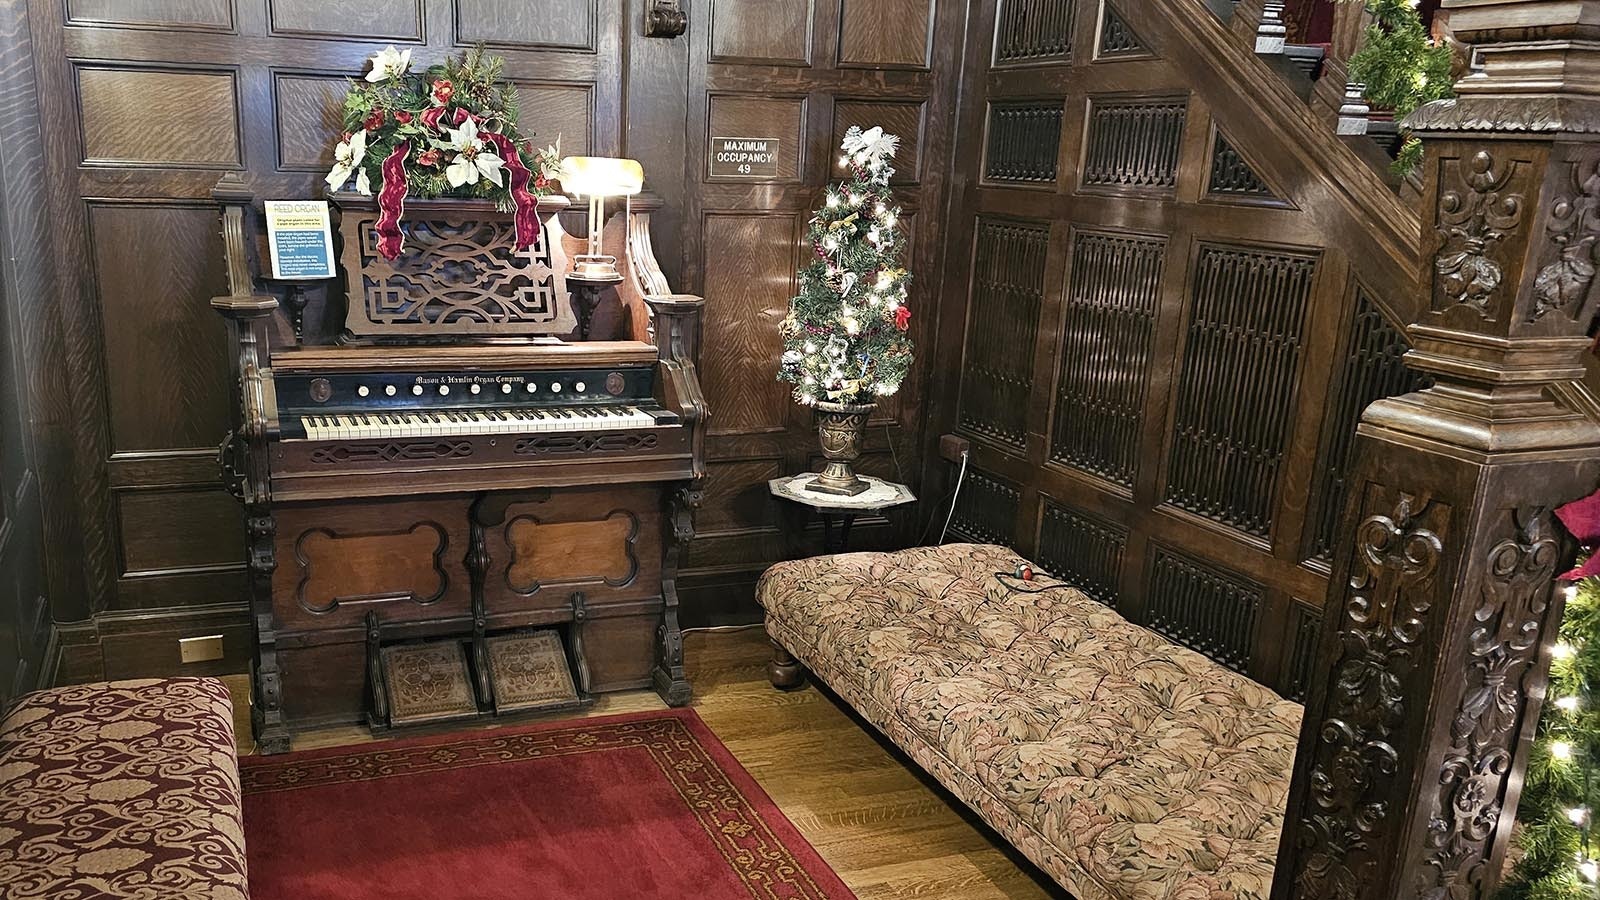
[447,131]
[1555,855]
[845,336]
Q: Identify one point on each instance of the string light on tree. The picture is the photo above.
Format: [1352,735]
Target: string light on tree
[845,338]
[1555,853]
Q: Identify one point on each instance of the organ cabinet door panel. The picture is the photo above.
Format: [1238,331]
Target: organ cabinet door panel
[458,505]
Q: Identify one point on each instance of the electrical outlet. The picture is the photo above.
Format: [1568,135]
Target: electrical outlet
[205,648]
[952,446]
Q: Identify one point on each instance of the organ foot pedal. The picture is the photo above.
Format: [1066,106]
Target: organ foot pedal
[460,677]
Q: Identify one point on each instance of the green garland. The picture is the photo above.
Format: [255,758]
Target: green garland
[1402,68]
[1555,847]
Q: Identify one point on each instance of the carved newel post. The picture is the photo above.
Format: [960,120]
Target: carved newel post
[1441,609]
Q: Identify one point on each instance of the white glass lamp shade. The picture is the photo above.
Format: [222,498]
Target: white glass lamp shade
[601,176]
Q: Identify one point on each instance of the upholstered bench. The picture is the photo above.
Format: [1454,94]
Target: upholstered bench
[1123,765]
[122,790]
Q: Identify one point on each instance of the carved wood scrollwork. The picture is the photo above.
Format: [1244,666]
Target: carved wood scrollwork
[1573,227]
[1384,617]
[665,19]
[1501,653]
[1473,219]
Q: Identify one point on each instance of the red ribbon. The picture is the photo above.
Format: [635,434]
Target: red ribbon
[527,205]
[392,201]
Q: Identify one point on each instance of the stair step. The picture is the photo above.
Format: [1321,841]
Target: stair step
[1307,58]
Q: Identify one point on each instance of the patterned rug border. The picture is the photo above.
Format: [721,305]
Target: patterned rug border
[751,834]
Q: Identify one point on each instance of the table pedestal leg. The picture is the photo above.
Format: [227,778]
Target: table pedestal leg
[836,540]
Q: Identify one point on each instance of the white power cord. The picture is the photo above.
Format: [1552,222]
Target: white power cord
[954,496]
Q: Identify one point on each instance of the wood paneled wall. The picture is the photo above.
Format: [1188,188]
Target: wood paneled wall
[1168,315]
[800,71]
[146,103]
[28,396]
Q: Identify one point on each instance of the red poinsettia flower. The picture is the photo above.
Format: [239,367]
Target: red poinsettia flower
[374,121]
[429,158]
[443,90]
[902,317]
[403,116]
[540,182]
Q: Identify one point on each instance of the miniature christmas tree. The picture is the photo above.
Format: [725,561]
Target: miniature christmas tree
[845,336]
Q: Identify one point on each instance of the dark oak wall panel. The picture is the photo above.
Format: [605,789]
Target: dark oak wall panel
[120,107]
[558,111]
[757,116]
[157,268]
[310,118]
[768,31]
[885,33]
[748,278]
[179,529]
[1034,31]
[565,24]
[399,20]
[204,14]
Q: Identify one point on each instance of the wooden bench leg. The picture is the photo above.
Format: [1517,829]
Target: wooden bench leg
[784,670]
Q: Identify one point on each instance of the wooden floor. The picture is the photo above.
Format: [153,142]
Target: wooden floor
[886,829]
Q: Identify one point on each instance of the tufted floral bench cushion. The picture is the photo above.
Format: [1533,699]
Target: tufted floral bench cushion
[128,789]
[1123,765]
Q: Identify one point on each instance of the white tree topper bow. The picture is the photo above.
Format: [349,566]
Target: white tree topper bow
[871,147]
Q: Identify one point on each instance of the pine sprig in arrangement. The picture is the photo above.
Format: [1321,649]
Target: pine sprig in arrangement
[447,131]
[1402,67]
[1556,846]
[845,336]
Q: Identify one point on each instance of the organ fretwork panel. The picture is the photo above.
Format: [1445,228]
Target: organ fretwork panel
[1162,341]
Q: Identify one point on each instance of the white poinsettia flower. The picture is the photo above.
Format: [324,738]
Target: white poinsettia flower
[389,63]
[363,183]
[473,160]
[347,156]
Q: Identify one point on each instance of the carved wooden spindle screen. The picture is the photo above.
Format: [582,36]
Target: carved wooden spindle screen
[1024,139]
[1231,175]
[986,511]
[1083,550]
[1372,370]
[1133,144]
[1305,631]
[1237,384]
[1034,30]
[1105,352]
[1009,261]
[1117,37]
[1203,608]
[1164,386]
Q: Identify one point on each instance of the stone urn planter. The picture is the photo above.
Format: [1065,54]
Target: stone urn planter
[839,429]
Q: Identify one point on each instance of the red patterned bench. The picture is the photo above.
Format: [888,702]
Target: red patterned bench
[128,789]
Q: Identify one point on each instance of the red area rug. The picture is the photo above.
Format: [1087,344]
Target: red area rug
[639,806]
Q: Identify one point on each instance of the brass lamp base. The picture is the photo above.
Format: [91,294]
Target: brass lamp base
[595,269]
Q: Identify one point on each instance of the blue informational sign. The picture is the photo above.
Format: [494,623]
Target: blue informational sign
[301,239]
